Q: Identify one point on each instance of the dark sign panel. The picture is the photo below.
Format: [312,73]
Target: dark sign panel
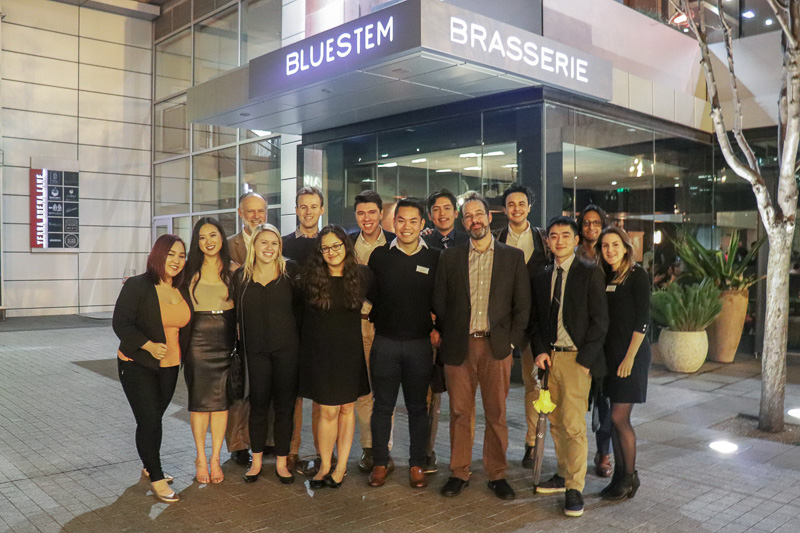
[54,209]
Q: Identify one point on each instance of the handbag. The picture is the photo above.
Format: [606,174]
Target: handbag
[438,383]
[236,377]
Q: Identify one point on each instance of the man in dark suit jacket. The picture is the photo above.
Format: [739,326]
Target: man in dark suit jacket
[443,212]
[482,304]
[520,233]
[569,319]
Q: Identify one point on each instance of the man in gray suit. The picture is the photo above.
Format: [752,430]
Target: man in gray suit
[252,212]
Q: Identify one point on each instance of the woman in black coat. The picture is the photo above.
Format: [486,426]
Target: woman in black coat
[627,353]
[151,319]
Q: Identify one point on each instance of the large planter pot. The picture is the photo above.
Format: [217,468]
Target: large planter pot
[683,351]
[726,331]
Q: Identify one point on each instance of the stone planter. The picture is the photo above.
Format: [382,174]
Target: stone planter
[726,331]
[683,351]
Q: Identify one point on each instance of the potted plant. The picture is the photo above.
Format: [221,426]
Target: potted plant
[728,275]
[686,311]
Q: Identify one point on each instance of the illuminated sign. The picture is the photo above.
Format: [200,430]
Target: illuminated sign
[54,209]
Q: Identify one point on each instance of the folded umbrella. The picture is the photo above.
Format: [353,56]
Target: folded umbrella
[543,406]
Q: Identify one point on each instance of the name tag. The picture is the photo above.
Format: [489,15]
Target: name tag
[611,288]
[423,269]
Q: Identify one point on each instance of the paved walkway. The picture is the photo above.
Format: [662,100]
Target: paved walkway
[68,462]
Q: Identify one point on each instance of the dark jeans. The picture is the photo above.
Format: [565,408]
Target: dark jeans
[603,434]
[149,392]
[394,363]
[273,378]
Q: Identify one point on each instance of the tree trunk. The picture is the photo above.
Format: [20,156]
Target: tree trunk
[773,362]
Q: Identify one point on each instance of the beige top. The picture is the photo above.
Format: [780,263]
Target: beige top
[210,295]
[523,241]
[364,249]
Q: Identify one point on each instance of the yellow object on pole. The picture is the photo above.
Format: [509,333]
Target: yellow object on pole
[544,404]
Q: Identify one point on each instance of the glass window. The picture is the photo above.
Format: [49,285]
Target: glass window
[216,45]
[260,168]
[261,28]
[182,227]
[214,180]
[171,187]
[173,65]
[171,129]
[205,136]
[228,221]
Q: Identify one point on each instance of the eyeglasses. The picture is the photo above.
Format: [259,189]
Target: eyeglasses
[590,223]
[332,248]
[471,216]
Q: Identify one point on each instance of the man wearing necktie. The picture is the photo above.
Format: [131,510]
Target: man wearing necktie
[569,319]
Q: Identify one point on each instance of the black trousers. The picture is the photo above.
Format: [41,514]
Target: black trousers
[273,378]
[149,391]
[603,435]
[393,363]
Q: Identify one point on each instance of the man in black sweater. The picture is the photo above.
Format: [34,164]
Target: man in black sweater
[401,352]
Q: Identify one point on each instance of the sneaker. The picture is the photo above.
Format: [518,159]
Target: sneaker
[430,466]
[551,486]
[574,503]
[366,463]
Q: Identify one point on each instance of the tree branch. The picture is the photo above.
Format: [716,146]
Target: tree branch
[781,16]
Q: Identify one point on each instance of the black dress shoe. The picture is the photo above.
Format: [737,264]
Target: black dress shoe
[329,481]
[285,480]
[502,489]
[241,457]
[317,484]
[454,486]
[252,478]
[527,459]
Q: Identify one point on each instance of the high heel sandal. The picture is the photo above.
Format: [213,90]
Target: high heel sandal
[201,473]
[217,475]
[166,497]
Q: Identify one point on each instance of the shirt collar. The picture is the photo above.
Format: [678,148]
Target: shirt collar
[379,242]
[300,235]
[567,263]
[473,249]
[519,235]
[420,245]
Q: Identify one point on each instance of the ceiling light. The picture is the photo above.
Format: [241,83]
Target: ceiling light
[421,160]
[261,133]
[657,237]
[679,18]
[748,14]
[677,177]
[384,155]
[768,22]
[387,165]
[632,130]
[490,154]
[685,30]
[723,446]
[471,154]
[631,169]
[794,413]
[444,170]
[472,168]
[510,165]
[613,183]
[677,184]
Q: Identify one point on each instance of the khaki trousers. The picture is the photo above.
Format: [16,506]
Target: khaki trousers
[294,447]
[531,394]
[493,376]
[364,403]
[569,390]
[237,433]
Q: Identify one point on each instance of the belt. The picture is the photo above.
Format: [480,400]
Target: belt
[364,316]
[480,334]
[563,349]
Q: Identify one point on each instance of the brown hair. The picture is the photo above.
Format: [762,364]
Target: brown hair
[316,278]
[628,261]
[157,260]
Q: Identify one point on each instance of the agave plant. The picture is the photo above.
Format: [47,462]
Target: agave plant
[686,308]
[721,268]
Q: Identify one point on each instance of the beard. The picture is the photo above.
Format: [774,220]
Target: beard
[478,232]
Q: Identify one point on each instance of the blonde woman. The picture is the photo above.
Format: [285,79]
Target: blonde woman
[264,295]
[627,353]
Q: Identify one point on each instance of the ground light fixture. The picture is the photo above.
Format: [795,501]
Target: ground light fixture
[723,446]
[795,413]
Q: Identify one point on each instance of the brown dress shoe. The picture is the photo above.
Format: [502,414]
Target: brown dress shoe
[603,466]
[291,461]
[416,477]
[378,476]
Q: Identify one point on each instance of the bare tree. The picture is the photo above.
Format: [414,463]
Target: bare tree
[778,218]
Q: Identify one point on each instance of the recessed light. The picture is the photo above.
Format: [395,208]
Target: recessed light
[444,170]
[388,165]
[510,165]
[490,154]
[748,14]
[677,184]
[768,22]
[422,160]
[794,413]
[470,154]
[613,183]
[472,168]
[723,446]
[384,155]
[631,169]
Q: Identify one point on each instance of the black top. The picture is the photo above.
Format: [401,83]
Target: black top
[137,319]
[541,256]
[403,292]
[438,241]
[299,249]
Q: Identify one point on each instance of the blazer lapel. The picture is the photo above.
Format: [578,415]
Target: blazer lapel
[463,267]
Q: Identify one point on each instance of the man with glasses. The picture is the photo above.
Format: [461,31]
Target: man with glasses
[591,222]
[482,304]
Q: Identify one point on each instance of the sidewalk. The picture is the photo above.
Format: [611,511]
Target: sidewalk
[68,461]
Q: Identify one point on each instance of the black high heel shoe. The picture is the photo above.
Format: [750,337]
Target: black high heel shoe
[251,478]
[317,484]
[329,481]
[285,480]
[626,488]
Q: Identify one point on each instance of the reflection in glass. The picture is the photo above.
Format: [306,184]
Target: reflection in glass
[173,70]
[260,167]
[206,136]
[214,180]
[216,45]
[261,28]
[171,187]
[227,220]
[171,130]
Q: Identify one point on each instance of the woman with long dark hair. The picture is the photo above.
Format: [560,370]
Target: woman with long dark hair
[331,347]
[208,358]
[627,353]
[265,300]
[151,319]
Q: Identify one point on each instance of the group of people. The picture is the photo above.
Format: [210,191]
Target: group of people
[345,320]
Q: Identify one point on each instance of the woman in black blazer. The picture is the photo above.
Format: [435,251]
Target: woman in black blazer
[627,353]
[151,319]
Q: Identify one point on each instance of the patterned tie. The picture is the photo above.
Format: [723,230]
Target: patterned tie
[555,305]
[445,241]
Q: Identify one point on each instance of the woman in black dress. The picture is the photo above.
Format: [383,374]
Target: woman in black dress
[627,353]
[331,347]
[264,292]
[208,359]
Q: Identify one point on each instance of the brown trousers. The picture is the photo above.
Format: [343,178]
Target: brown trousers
[569,390]
[493,376]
